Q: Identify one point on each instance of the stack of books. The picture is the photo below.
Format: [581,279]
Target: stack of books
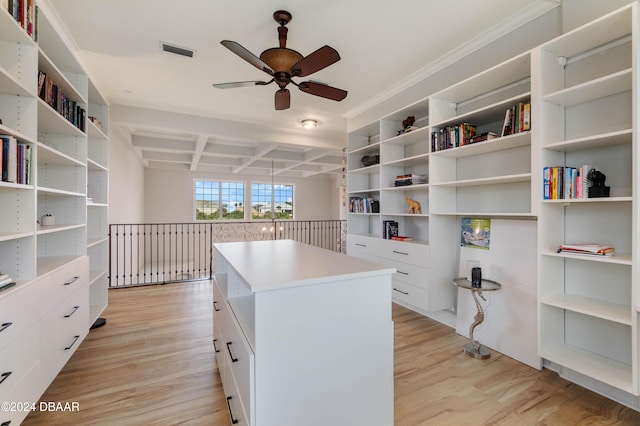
[410,179]
[587,249]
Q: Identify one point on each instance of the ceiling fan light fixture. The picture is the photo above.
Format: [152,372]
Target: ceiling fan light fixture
[309,123]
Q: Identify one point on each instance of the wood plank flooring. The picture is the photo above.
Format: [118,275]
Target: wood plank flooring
[152,364]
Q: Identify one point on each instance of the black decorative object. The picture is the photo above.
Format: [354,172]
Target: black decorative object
[476,277]
[597,189]
[370,160]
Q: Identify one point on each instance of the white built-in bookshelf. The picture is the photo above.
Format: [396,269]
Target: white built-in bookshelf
[581,88]
[60,269]
[588,315]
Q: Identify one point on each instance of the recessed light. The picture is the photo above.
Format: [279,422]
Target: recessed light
[308,123]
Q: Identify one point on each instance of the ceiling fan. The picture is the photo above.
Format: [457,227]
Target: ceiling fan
[282,63]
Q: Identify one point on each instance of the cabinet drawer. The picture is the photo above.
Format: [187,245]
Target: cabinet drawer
[408,273]
[64,328]
[62,283]
[415,254]
[237,413]
[362,244]
[236,350]
[17,359]
[411,295]
[19,309]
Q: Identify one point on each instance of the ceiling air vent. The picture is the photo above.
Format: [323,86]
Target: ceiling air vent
[177,50]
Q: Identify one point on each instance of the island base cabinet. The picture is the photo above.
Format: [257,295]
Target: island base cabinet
[335,354]
[307,341]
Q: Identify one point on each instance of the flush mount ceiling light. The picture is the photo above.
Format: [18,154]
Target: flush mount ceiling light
[309,123]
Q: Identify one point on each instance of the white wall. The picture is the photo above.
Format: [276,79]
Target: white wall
[126,181]
[578,12]
[168,195]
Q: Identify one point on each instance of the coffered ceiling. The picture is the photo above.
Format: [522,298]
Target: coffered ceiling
[164,104]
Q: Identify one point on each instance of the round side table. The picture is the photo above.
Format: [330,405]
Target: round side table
[474,348]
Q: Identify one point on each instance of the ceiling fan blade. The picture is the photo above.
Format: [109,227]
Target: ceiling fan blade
[246,55]
[283,99]
[323,90]
[315,61]
[240,84]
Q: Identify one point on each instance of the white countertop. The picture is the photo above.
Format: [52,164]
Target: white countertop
[272,265]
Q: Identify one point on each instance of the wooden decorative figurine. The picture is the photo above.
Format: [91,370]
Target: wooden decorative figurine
[414,206]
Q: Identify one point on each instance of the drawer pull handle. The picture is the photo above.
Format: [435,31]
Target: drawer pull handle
[75,308]
[215,348]
[72,280]
[5,325]
[215,308]
[4,376]
[400,252]
[75,339]
[233,359]
[361,245]
[400,291]
[403,273]
[233,420]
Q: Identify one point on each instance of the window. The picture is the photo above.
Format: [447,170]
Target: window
[219,200]
[265,201]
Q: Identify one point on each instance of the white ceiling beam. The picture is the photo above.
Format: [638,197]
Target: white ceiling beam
[201,143]
[166,157]
[163,144]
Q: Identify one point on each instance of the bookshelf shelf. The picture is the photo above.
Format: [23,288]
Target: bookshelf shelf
[593,141]
[592,307]
[592,90]
[10,236]
[522,177]
[52,122]
[409,138]
[617,258]
[617,374]
[11,86]
[416,187]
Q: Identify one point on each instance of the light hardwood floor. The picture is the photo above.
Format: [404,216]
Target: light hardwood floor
[152,364]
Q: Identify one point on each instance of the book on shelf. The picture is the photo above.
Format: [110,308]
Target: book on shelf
[24,13]
[410,179]
[517,119]
[452,136]
[16,160]
[483,137]
[363,205]
[564,182]
[401,238]
[389,229]
[589,249]
[71,110]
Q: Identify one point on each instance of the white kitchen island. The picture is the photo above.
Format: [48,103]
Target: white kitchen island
[303,335]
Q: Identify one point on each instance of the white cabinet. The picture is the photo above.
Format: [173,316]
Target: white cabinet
[587,82]
[41,325]
[66,162]
[302,335]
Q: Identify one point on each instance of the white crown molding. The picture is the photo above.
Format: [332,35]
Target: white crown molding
[492,34]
